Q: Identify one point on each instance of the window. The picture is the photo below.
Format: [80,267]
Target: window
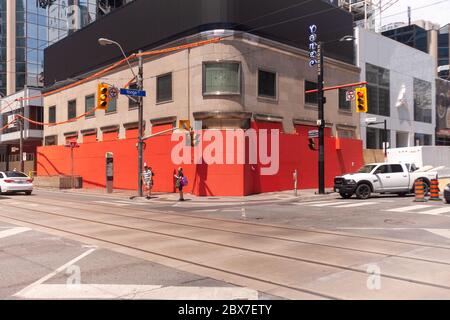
[51,140]
[310,98]
[71,109]
[221,78]
[344,105]
[378,90]
[89,105]
[52,114]
[396,168]
[112,106]
[374,138]
[383,169]
[346,133]
[422,101]
[164,88]
[267,84]
[422,139]
[132,104]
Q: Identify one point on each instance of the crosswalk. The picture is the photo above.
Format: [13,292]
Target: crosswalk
[429,209]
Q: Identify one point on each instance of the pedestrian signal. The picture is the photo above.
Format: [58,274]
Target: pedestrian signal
[184,124]
[102,96]
[312,144]
[361,100]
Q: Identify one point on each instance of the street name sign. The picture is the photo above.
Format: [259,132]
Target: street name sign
[313,134]
[133,92]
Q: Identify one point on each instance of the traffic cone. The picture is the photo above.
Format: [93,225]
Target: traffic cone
[419,191]
[434,190]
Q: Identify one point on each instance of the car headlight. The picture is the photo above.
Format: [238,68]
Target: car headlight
[447,188]
[350,181]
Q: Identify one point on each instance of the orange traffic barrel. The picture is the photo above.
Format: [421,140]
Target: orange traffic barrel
[434,190]
[419,191]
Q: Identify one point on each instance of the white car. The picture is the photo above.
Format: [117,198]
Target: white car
[382,178]
[14,181]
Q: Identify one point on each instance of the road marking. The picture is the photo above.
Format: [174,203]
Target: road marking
[24,291]
[440,232]
[110,202]
[409,208]
[328,204]
[207,210]
[360,204]
[112,291]
[12,232]
[437,211]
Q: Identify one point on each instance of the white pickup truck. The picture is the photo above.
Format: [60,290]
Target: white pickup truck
[382,178]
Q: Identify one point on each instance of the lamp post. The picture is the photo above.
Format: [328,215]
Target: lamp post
[140,86]
[320,104]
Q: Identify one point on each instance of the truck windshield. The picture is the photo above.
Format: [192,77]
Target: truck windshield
[367,169]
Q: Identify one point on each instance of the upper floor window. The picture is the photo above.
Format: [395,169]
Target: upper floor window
[221,78]
[344,105]
[422,100]
[112,106]
[378,90]
[310,98]
[164,88]
[90,105]
[52,114]
[72,109]
[267,84]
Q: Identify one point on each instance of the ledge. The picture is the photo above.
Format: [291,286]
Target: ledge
[110,128]
[310,122]
[267,117]
[133,125]
[86,132]
[71,134]
[240,115]
[163,120]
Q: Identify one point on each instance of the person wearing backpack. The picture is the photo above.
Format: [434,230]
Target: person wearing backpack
[181,181]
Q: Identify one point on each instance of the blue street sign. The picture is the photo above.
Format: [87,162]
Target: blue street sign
[133,92]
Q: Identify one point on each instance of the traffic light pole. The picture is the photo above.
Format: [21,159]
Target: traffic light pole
[321,124]
[140,85]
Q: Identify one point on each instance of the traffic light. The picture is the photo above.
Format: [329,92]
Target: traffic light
[184,124]
[102,96]
[312,144]
[361,100]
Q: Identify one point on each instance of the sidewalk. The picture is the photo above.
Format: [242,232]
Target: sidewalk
[280,196]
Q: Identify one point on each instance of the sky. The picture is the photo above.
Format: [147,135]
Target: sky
[437,11]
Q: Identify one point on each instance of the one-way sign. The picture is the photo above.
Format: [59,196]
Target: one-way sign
[133,92]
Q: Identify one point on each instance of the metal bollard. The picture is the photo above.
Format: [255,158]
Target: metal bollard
[295,176]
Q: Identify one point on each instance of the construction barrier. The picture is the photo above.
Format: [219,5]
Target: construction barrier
[434,190]
[419,191]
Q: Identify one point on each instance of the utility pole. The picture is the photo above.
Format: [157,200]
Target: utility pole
[140,85]
[20,120]
[321,122]
[385,138]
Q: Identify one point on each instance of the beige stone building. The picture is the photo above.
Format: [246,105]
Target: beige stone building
[225,85]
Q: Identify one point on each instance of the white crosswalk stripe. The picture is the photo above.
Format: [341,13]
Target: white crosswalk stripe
[329,204]
[409,208]
[359,204]
[437,211]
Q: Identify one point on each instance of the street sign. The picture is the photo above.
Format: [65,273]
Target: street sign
[350,95]
[133,92]
[368,120]
[113,92]
[313,134]
[72,144]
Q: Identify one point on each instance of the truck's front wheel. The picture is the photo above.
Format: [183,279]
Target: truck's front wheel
[363,191]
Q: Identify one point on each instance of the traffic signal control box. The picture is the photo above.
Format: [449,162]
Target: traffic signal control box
[361,100]
[102,96]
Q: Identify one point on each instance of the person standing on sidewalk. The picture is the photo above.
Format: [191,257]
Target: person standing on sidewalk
[179,184]
[147,179]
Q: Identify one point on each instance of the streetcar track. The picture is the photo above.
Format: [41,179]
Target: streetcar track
[384,254]
[258,224]
[178,259]
[219,245]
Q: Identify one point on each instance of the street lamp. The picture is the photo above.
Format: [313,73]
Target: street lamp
[320,103]
[372,121]
[140,84]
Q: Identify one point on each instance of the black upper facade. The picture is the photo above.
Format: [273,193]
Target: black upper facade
[145,24]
